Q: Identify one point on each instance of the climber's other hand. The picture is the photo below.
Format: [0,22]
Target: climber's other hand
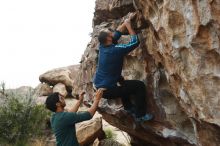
[99,94]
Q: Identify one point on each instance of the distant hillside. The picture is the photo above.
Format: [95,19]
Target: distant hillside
[21,91]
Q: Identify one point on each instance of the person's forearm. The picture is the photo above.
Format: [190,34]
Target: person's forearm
[76,107]
[93,108]
[130,29]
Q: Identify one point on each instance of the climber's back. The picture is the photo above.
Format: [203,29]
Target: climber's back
[111,57]
[109,67]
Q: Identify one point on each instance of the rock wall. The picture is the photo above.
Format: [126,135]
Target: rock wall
[178,59]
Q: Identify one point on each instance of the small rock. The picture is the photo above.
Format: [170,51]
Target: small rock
[43,90]
[60,88]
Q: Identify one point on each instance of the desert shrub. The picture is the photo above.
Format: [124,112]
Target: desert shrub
[21,119]
[109,134]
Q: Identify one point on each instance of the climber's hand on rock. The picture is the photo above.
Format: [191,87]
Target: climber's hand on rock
[81,96]
[127,22]
[131,15]
[99,94]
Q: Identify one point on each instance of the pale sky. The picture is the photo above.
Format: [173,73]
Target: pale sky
[39,35]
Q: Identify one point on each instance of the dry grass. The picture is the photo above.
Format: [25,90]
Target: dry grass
[41,142]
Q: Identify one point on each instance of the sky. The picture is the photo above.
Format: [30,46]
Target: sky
[39,35]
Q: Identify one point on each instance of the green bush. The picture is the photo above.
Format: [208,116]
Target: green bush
[21,119]
[109,134]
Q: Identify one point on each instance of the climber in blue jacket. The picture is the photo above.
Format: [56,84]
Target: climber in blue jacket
[109,69]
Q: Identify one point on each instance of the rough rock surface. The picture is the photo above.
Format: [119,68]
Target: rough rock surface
[88,131]
[178,59]
[43,90]
[60,88]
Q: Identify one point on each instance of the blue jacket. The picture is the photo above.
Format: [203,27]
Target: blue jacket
[110,61]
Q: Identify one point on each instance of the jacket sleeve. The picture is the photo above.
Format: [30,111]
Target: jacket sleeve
[72,117]
[117,36]
[126,48]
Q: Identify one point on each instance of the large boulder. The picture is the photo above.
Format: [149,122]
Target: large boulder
[65,75]
[90,130]
[178,59]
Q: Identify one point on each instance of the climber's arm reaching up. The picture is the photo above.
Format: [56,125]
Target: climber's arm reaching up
[122,28]
[95,104]
[77,105]
[76,117]
[119,31]
[134,42]
[127,23]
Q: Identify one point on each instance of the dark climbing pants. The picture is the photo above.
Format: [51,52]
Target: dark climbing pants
[134,89]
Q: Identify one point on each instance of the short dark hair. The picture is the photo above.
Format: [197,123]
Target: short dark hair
[102,37]
[51,101]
